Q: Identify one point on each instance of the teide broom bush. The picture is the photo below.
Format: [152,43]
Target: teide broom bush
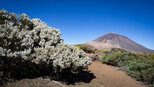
[26,43]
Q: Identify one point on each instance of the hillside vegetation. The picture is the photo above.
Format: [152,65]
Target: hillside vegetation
[86,49]
[139,66]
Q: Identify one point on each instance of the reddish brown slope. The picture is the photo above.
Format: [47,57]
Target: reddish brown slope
[113,40]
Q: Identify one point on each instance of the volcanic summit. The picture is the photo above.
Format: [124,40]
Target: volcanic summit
[113,40]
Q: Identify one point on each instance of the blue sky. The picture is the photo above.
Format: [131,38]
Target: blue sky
[81,21]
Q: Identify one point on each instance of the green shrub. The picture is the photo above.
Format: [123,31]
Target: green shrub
[110,59]
[136,65]
[78,47]
[151,56]
[104,51]
[86,49]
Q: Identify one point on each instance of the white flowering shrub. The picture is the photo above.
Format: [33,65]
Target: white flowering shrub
[34,41]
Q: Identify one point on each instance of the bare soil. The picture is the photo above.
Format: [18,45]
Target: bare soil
[112,77]
[105,76]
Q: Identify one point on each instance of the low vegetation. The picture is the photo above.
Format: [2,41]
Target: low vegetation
[139,66]
[30,48]
[104,51]
[151,56]
[86,49]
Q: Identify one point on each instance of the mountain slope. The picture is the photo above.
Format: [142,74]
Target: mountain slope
[113,40]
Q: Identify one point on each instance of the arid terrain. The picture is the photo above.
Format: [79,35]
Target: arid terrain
[77,43]
[104,76]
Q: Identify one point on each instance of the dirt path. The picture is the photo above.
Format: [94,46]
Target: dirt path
[106,76]
[112,77]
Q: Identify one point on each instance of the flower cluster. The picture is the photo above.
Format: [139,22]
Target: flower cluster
[33,40]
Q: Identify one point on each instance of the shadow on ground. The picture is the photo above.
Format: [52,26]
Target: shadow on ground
[16,69]
[71,79]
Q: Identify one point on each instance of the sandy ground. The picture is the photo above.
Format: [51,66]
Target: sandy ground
[105,76]
[112,77]
[108,76]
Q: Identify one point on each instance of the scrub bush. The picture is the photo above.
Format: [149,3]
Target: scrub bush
[86,49]
[30,46]
[138,66]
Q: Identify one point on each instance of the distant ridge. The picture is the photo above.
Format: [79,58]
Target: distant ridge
[113,40]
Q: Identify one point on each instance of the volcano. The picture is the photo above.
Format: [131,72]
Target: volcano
[113,40]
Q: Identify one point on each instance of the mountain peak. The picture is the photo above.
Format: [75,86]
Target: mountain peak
[112,33]
[112,40]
